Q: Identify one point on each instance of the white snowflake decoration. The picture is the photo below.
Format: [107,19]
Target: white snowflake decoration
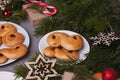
[3,3]
[2,6]
[104,38]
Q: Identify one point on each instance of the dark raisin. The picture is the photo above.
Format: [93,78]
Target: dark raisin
[75,37]
[17,47]
[1,54]
[54,37]
[2,27]
[70,51]
[12,35]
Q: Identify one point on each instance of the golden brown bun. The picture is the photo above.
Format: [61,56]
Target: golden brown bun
[6,28]
[15,52]
[61,34]
[66,55]
[49,51]
[73,42]
[54,39]
[3,58]
[0,40]
[12,39]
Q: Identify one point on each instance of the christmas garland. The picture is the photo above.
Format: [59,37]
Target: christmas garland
[12,11]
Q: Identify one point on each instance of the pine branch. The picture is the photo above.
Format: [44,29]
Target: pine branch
[17,13]
[17,16]
[76,68]
[102,57]
[21,71]
[81,16]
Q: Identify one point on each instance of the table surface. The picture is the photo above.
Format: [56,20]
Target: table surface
[33,47]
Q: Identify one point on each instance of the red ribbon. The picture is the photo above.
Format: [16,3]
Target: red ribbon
[46,7]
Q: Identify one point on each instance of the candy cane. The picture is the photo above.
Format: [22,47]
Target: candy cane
[46,6]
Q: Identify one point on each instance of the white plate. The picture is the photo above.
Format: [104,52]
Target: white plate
[21,30]
[82,52]
[4,75]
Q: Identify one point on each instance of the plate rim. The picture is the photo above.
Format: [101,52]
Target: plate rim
[11,73]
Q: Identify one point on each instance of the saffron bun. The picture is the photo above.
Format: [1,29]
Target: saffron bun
[14,52]
[0,40]
[6,28]
[49,51]
[54,39]
[73,42]
[70,45]
[3,58]
[12,39]
[66,55]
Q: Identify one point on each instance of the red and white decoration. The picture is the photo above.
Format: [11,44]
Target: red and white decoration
[46,7]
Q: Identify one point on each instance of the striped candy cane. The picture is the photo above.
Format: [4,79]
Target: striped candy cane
[46,6]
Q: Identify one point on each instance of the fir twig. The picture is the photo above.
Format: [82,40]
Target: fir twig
[17,13]
[76,68]
[21,71]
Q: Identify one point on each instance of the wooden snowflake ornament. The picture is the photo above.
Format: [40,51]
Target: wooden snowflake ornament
[2,6]
[104,38]
[3,3]
[41,69]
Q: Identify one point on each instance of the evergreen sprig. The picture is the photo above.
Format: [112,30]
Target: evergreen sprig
[17,13]
[102,57]
[80,70]
[82,16]
[21,71]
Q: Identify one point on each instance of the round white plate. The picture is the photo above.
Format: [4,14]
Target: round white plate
[4,75]
[21,30]
[82,52]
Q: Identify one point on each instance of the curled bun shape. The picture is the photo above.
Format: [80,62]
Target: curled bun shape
[54,39]
[66,55]
[73,42]
[12,39]
[0,40]
[49,51]
[6,28]
[15,52]
[3,58]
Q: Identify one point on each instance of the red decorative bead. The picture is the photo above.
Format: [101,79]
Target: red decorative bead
[7,12]
[109,74]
